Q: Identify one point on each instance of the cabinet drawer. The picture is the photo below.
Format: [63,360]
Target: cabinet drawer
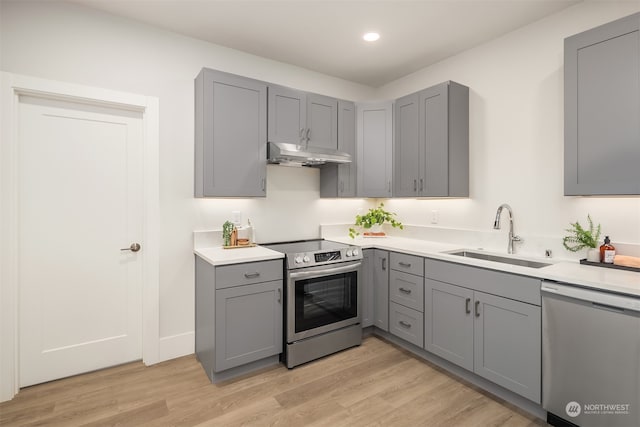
[408,263]
[406,323]
[406,289]
[228,276]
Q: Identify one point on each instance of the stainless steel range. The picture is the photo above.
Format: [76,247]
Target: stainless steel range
[322,298]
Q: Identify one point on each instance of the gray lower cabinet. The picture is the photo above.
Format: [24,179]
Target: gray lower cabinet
[602,110]
[340,180]
[381,289]
[375,289]
[406,297]
[431,145]
[368,308]
[374,147]
[497,338]
[239,312]
[248,324]
[230,135]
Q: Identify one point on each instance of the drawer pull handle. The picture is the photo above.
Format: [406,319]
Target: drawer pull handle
[251,275]
[404,264]
[404,324]
[477,308]
[384,264]
[279,295]
[405,291]
[467,309]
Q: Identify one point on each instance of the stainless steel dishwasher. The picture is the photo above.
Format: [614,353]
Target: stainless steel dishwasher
[590,357]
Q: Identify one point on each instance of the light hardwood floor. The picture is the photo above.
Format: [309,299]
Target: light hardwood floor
[376,384]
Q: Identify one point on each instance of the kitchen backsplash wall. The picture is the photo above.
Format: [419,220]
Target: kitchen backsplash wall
[516,135]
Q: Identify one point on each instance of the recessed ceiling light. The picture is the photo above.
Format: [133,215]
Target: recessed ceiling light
[371,37]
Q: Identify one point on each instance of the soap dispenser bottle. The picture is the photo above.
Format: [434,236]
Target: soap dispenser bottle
[607,251]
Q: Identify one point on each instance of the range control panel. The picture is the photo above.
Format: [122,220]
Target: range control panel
[310,259]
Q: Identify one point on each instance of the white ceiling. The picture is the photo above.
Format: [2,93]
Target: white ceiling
[326,35]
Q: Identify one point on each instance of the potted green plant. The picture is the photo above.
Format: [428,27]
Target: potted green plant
[373,218]
[582,238]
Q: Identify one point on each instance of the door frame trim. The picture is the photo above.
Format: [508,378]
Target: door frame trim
[12,86]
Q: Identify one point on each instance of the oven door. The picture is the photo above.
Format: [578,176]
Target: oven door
[322,299]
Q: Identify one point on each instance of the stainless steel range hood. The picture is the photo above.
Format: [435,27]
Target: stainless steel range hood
[299,155]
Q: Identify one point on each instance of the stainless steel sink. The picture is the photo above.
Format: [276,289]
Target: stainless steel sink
[498,258]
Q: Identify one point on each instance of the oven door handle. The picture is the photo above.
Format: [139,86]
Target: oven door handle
[294,275]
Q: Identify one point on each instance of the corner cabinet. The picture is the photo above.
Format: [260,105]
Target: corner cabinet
[230,135]
[431,144]
[375,151]
[602,110]
[340,180]
[239,311]
[375,289]
[468,324]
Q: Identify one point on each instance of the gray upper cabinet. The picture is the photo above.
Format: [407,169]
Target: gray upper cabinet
[230,135]
[287,115]
[340,180]
[602,110]
[297,117]
[322,121]
[406,155]
[374,147]
[431,146]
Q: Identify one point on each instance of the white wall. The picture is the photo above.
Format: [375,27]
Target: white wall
[516,133]
[516,128]
[72,43]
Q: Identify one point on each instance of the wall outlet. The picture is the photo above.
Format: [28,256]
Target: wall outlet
[434,217]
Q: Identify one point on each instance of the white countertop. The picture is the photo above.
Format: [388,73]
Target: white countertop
[220,256]
[571,272]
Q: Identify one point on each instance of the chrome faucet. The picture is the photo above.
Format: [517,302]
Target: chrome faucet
[496,226]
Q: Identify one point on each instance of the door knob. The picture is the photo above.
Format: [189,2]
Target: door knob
[135,247]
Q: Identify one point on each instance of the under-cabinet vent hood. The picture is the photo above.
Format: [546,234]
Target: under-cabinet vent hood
[300,155]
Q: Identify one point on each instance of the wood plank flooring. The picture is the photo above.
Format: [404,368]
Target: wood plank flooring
[376,384]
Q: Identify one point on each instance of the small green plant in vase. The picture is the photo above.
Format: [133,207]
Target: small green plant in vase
[583,238]
[375,216]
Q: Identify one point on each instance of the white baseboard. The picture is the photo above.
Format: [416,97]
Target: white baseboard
[177,345]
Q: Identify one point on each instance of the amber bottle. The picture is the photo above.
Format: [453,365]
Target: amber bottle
[607,251]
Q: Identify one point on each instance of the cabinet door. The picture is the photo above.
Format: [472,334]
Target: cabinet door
[230,136]
[368,256]
[448,322]
[602,109]
[248,324]
[406,153]
[434,147]
[340,180]
[507,344]
[381,289]
[375,137]
[322,121]
[287,115]
[347,174]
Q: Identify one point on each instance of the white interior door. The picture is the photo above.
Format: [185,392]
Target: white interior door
[80,201]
